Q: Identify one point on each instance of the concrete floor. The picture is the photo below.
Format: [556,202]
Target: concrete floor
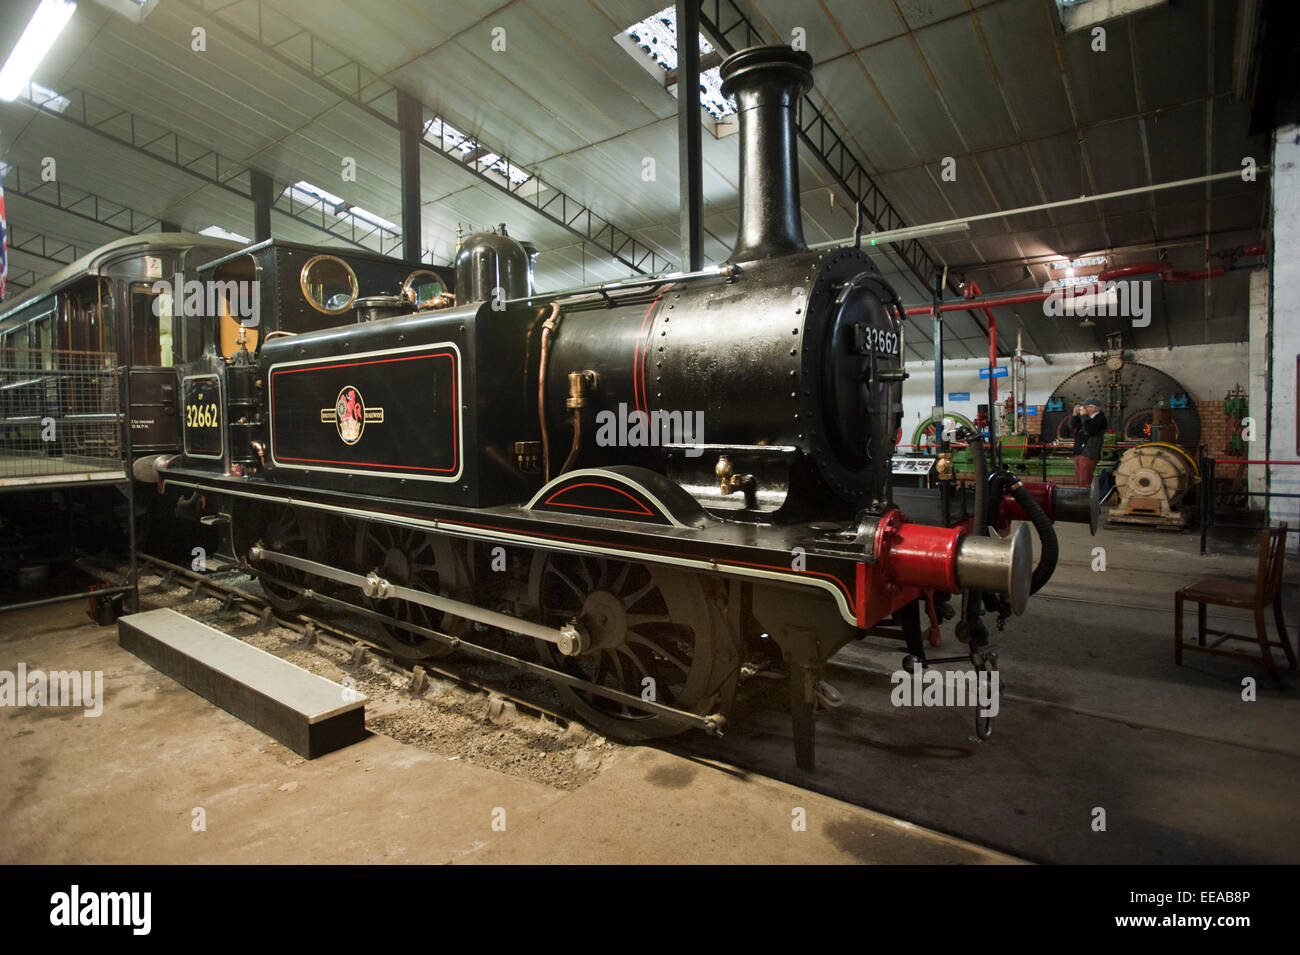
[123,787]
[1094,714]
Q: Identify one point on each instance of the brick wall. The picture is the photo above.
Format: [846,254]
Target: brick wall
[1034,423]
[1214,427]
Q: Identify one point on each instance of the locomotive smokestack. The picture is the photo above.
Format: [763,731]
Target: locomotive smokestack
[767,83]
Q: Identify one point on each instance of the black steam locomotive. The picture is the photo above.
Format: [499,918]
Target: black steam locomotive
[648,481]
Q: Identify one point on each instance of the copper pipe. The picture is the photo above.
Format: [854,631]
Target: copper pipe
[577,441]
[548,326]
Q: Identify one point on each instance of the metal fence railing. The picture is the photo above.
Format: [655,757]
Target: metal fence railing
[1237,496]
[61,434]
[60,414]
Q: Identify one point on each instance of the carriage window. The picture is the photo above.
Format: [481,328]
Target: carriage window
[151,326]
[422,287]
[104,310]
[329,284]
[41,336]
[18,340]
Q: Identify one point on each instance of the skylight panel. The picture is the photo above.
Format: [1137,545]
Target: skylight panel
[310,194]
[1081,14]
[42,97]
[448,138]
[656,35]
[216,232]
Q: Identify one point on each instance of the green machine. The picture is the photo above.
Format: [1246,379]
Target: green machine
[1021,453]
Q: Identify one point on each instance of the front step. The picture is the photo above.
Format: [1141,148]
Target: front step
[307,713]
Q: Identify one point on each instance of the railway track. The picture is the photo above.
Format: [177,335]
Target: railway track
[361,648]
[867,752]
[315,629]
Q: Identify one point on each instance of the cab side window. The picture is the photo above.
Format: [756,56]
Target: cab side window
[237,290]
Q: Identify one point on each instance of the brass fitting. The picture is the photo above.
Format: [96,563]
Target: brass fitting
[528,456]
[943,468]
[581,385]
[729,482]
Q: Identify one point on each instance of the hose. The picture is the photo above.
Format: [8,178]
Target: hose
[980,520]
[999,484]
[1046,536]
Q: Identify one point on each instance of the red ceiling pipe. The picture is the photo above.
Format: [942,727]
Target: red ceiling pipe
[992,302]
[971,290]
[1163,269]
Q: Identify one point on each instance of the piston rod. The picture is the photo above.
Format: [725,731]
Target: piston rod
[571,639]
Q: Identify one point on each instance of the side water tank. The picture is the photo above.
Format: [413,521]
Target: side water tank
[488,261]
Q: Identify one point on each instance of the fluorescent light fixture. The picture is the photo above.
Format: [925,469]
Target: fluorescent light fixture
[216,232]
[1085,263]
[42,30]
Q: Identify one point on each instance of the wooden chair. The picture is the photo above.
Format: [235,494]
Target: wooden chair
[1266,589]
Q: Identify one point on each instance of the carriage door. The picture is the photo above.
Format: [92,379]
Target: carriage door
[155,422]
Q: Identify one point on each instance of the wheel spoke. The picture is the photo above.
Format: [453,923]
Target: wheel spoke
[635,620]
[647,623]
[620,581]
[659,650]
[578,591]
[631,600]
[624,651]
[620,678]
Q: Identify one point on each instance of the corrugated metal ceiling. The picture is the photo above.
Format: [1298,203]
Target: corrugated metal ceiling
[1028,114]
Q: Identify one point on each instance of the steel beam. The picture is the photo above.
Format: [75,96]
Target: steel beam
[263,198]
[730,30]
[333,68]
[690,163]
[410,127]
[43,246]
[95,115]
[82,204]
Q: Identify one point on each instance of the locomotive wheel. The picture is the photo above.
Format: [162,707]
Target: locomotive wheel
[410,557]
[646,622]
[290,531]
